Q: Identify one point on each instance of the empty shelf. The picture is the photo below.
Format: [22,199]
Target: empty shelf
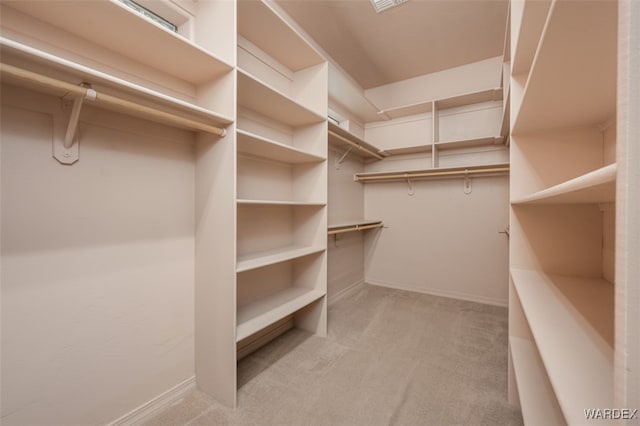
[353,226]
[248,202]
[468,143]
[342,137]
[598,186]
[539,406]
[255,316]
[571,320]
[265,100]
[249,143]
[269,257]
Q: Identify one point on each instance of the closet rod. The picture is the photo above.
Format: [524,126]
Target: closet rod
[354,228]
[368,151]
[434,173]
[107,100]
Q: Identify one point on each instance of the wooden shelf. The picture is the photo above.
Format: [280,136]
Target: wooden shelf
[255,316]
[444,103]
[250,143]
[269,102]
[260,24]
[532,17]
[354,226]
[538,402]
[598,186]
[341,137]
[571,320]
[469,143]
[416,149]
[14,52]
[247,202]
[269,257]
[116,27]
[573,77]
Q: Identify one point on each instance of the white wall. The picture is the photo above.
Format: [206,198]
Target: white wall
[97,265]
[345,267]
[440,240]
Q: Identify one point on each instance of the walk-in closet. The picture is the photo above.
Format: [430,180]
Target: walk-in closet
[352,212]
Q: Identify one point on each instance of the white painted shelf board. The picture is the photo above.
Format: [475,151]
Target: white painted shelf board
[355,222]
[534,15]
[598,186]
[257,96]
[468,143]
[555,94]
[356,140]
[506,114]
[19,53]
[456,172]
[538,403]
[576,356]
[114,26]
[255,316]
[253,202]
[261,25]
[269,257]
[416,149]
[444,103]
[250,143]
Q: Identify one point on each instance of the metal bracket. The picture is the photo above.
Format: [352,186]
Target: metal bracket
[467,183]
[412,189]
[65,135]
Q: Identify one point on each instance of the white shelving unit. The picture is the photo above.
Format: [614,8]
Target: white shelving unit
[564,220]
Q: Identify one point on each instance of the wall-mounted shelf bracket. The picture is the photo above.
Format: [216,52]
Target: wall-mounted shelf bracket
[467,183]
[65,139]
[412,189]
[341,159]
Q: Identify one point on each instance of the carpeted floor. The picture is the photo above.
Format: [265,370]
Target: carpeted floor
[392,358]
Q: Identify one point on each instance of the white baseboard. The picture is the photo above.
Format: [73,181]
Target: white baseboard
[442,293]
[345,292]
[149,409]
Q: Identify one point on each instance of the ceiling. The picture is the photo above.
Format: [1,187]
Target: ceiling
[415,38]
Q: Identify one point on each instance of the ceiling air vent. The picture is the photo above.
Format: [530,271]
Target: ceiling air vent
[382,5]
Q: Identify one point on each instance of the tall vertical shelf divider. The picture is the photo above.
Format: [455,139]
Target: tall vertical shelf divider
[563,208]
[281,178]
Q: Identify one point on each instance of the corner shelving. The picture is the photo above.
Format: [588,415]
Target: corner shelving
[563,216]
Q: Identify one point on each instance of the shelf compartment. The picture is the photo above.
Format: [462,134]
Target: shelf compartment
[539,406]
[571,320]
[271,293]
[260,259]
[261,25]
[21,55]
[253,144]
[266,179]
[598,186]
[572,80]
[114,26]
[271,103]
[262,313]
[341,137]
[353,226]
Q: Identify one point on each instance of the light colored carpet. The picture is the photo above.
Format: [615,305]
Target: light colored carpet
[392,358]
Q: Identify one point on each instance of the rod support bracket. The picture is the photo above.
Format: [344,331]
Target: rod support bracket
[65,132]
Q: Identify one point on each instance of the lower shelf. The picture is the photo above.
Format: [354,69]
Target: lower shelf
[257,260]
[571,320]
[255,316]
[538,401]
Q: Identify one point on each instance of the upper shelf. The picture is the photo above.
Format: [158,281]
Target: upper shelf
[266,100]
[444,103]
[68,72]
[260,24]
[363,149]
[572,81]
[250,143]
[598,186]
[436,173]
[571,320]
[114,26]
[354,225]
[531,16]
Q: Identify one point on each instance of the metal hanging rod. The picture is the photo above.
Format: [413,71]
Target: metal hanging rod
[434,173]
[355,145]
[107,100]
